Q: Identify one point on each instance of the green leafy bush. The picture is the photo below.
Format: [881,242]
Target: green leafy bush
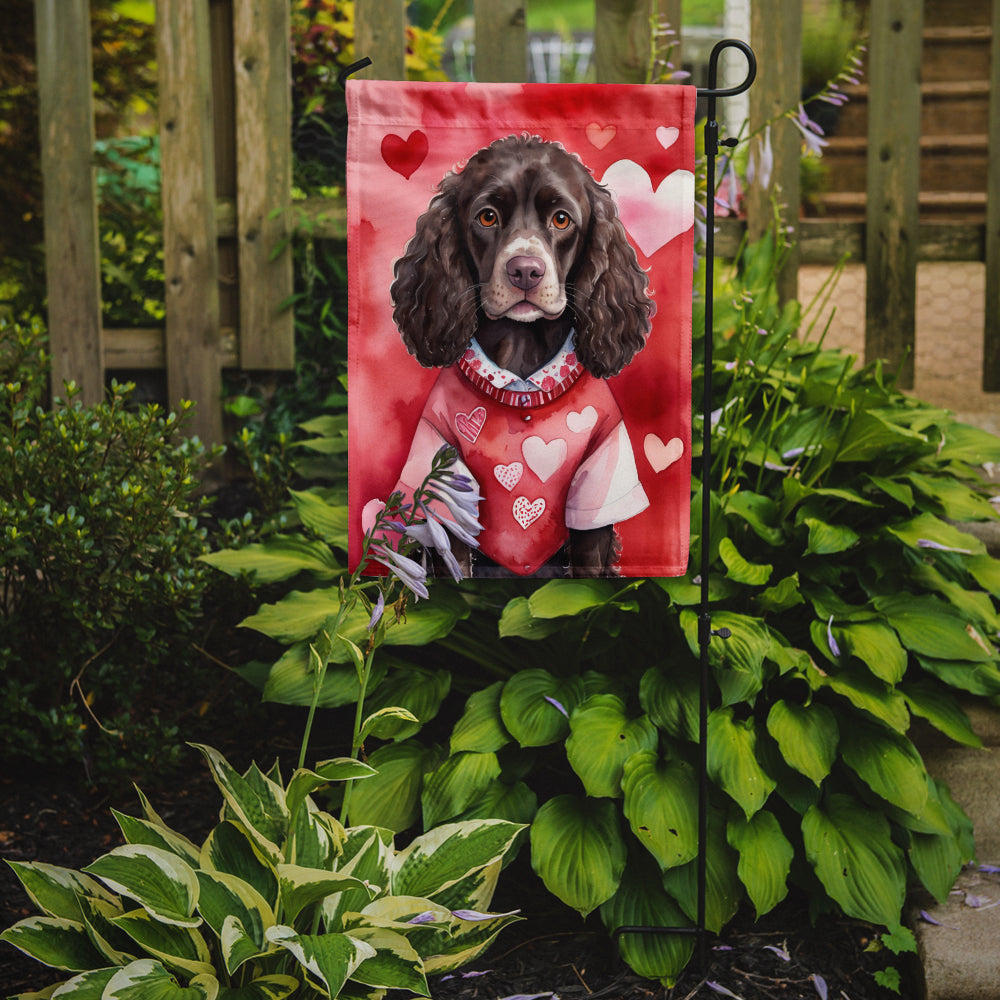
[855,603]
[280,899]
[101,584]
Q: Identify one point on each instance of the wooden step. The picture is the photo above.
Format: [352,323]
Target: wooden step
[960,206]
[956,53]
[944,12]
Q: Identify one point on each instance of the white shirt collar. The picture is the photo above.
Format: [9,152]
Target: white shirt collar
[551,373]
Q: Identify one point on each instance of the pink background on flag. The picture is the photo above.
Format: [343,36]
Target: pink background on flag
[639,141]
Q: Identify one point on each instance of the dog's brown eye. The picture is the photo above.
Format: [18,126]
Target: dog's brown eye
[561,220]
[488,218]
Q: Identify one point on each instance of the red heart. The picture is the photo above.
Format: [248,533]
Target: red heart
[404,155]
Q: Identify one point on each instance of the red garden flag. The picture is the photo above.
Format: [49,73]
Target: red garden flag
[520,269]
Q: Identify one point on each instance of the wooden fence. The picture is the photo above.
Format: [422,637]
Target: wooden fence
[226,160]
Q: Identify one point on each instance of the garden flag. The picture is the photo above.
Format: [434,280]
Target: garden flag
[520,276]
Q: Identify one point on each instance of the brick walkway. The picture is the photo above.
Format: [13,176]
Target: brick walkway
[950,313]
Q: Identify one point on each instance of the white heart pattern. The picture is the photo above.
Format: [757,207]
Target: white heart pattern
[652,219]
[544,458]
[526,511]
[580,423]
[508,476]
[660,455]
[666,135]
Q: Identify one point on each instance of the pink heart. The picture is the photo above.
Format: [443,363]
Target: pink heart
[470,424]
[666,135]
[580,423]
[404,155]
[508,476]
[543,457]
[600,135]
[652,219]
[527,511]
[660,455]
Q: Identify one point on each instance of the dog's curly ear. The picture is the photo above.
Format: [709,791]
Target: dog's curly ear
[609,293]
[434,302]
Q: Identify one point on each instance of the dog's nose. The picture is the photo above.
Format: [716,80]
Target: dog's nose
[525,272]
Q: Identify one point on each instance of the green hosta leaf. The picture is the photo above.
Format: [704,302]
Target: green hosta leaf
[456,784]
[739,569]
[180,948]
[876,646]
[291,680]
[732,760]
[723,889]
[850,848]
[231,850]
[870,435]
[438,859]
[739,660]
[986,572]
[957,501]
[661,806]
[941,709]
[54,941]
[928,528]
[330,959]
[535,706]
[391,798]
[163,884]
[56,891]
[395,964]
[894,489]
[760,512]
[807,736]
[783,595]
[517,620]
[965,443]
[274,987]
[865,692]
[976,678]
[562,598]
[301,887]
[516,803]
[279,558]
[260,806]
[684,592]
[828,539]
[937,859]
[577,850]
[419,692]
[481,728]
[226,898]
[765,858]
[141,831]
[932,628]
[671,699]
[325,519]
[602,738]
[888,763]
[975,605]
[641,901]
[147,979]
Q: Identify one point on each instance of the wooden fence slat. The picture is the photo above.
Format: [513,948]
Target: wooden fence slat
[262,61]
[621,40]
[892,214]
[72,256]
[776,36]
[190,253]
[991,331]
[380,34]
[501,41]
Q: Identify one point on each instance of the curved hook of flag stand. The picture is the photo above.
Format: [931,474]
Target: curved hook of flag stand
[705,631]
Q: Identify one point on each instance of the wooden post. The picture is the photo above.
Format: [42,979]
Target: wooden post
[622,40]
[380,34]
[72,255]
[776,34]
[893,183]
[190,254]
[501,41]
[262,61]
[991,333]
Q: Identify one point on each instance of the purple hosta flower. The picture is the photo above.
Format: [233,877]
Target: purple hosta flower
[475,915]
[820,984]
[812,134]
[834,648]
[760,165]
[927,543]
[782,953]
[719,988]
[727,198]
[558,705]
[377,612]
[431,535]
[990,869]
[462,502]
[411,574]
[531,996]
[427,917]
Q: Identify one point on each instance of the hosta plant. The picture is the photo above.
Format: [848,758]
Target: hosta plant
[279,899]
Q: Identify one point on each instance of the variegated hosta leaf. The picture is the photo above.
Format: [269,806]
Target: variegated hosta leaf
[147,979]
[641,901]
[54,941]
[602,737]
[141,831]
[578,851]
[535,706]
[177,947]
[441,857]
[807,736]
[86,986]
[465,941]
[273,987]
[851,849]
[366,855]
[56,891]
[395,964]
[315,838]
[888,763]
[732,760]
[481,727]
[329,959]
[475,891]
[301,887]
[661,805]
[304,782]
[456,784]
[116,947]
[230,849]
[765,858]
[225,897]
[158,880]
